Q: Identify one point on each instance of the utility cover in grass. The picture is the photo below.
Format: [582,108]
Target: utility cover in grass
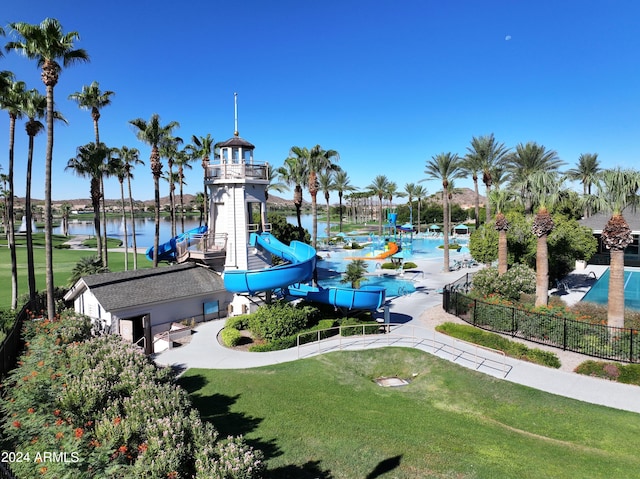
[391,382]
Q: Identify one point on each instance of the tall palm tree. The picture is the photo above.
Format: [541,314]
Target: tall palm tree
[545,191]
[500,199]
[294,173]
[419,192]
[274,182]
[35,109]
[153,134]
[410,192]
[92,98]
[524,163]
[326,185]
[488,154]
[341,183]
[109,169]
[616,190]
[120,170]
[586,172]
[445,167]
[89,163]
[131,157]
[11,99]
[168,149]
[65,211]
[379,187]
[48,45]
[202,147]
[472,163]
[199,201]
[319,160]
[182,160]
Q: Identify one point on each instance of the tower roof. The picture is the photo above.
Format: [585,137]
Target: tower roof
[237,141]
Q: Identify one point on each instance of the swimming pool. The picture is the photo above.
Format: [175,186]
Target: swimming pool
[394,286]
[599,292]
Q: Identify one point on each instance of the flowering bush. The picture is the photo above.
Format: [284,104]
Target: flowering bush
[517,280]
[107,411]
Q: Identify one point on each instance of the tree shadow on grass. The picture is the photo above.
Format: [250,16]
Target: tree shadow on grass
[385,466]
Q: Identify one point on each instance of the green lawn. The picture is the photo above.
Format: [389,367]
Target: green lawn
[63,259]
[324,417]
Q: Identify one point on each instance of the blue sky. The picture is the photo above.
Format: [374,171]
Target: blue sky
[388,84]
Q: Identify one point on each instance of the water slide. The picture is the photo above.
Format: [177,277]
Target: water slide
[167,251]
[392,249]
[302,262]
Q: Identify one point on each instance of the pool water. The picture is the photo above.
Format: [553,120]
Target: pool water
[394,286]
[599,292]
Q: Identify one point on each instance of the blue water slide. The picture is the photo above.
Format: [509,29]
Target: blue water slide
[367,297]
[301,262]
[301,258]
[167,251]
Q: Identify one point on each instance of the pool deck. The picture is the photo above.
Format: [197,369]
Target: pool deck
[576,284]
[417,315]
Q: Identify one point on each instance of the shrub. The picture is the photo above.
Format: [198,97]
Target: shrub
[517,280]
[623,373]
[238,322]
[281,319]
[230,337]
[354,327]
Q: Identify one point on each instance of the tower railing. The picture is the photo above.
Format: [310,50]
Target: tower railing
[221,170]
[201,245]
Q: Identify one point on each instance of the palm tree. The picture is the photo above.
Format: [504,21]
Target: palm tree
[354,273]
[34,108]
[485,154]
[131,157]
[88,163]
[445,167]
[379,188]
[500,199]
[120,170]
[471,164]
[294,172]
[326,185]
[410,191]
[86,267]
[341,184]
[419,192]
[545,191]
[524,163]
[274,182]
[91,98]
[169,149]
[202,148]
[199,201]
[153,134]
[65,211]
[319,160]
[617,189]
[586,172]
[48,45]
[182,160]
[11,99]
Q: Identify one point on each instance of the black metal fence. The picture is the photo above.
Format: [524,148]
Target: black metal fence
[597,340]
[12,345]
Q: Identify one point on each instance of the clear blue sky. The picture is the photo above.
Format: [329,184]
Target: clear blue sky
[387,83]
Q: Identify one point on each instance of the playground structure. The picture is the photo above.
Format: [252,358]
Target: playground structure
[237,241]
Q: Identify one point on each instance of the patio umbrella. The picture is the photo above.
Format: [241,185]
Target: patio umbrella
[434,227]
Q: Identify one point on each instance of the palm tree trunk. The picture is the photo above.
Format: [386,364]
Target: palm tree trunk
[445,220]
[31,270]
[124,222]
[181,202]
[487,204]
[48,230]
[314,217]
[502,252]
[105,258]
[156,236]
[477,210]
[328,220]
[419,202]
[12,236]
[133,225]
[542,271]
[615,309]
[380,219]
[340,203]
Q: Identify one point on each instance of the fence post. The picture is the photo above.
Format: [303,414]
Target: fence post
[513,322]
[631,345]
[564,334]
[475,307]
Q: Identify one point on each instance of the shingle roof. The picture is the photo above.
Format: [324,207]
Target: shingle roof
[152,285]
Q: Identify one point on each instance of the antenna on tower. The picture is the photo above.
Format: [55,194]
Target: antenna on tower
[235,109]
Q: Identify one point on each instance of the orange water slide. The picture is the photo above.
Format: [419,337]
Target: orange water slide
[393,249]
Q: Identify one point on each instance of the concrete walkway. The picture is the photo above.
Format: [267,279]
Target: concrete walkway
[416,316]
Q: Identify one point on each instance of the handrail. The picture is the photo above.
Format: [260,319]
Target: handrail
[415,340]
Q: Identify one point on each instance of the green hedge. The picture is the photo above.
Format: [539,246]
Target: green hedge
[230,337]
[238,322]
[280,320]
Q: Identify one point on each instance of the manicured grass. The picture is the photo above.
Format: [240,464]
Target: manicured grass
[63,259]
[325,417]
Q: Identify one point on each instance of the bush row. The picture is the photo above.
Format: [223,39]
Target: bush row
[114,413]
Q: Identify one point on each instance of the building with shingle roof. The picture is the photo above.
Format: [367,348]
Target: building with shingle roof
[598,221]
[145,302]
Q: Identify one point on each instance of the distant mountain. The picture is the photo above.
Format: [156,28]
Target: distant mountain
[465,197]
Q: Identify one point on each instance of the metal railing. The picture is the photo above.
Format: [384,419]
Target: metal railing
[371,335]
[236,171]
[201,243]
[596,340]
